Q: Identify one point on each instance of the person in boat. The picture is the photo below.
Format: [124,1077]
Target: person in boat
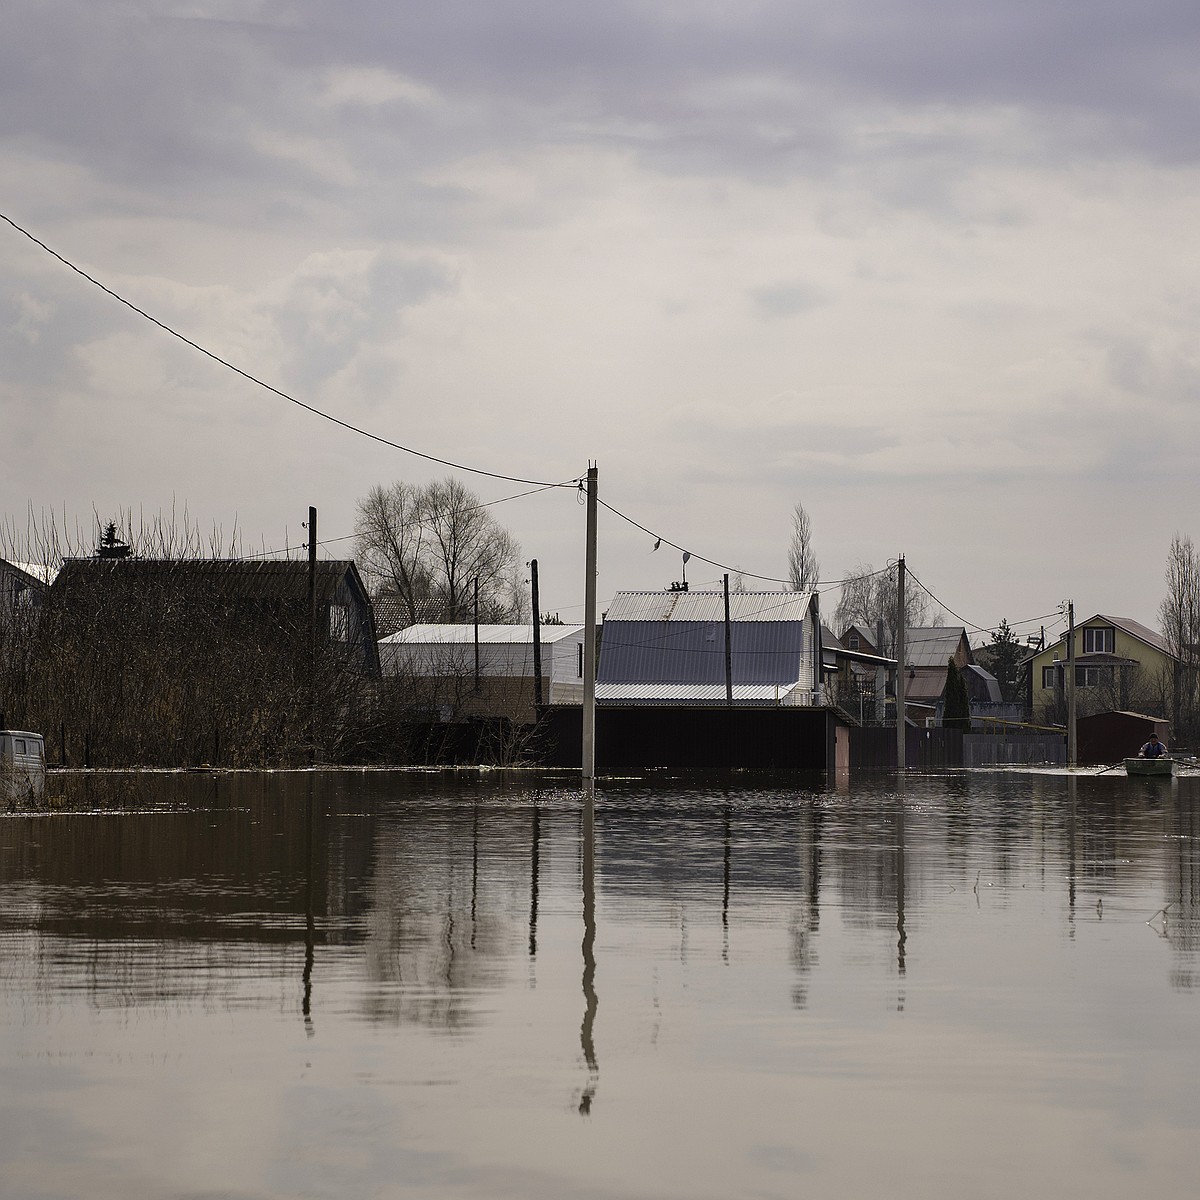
[1153,748]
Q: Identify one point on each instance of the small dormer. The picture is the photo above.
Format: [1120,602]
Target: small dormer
[1099,639]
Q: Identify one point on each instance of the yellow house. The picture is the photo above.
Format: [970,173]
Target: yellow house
[1119,664]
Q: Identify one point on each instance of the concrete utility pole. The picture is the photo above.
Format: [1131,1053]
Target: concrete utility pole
[901,679]
[537,638]
[1072,746]
[589,634]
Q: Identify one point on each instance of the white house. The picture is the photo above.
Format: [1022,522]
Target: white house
[439,660]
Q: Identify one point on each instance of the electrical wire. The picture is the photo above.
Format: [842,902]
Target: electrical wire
[968,624]
[411,524]
[187,341]
[827,586]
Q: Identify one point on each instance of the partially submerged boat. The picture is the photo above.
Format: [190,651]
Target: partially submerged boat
[1162,765]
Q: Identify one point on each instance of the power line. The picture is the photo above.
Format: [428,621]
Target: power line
[660,539]
[187,341]
[969,624]
[411,524]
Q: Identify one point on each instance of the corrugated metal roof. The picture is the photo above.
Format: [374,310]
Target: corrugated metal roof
[491,634]
[691,693]
[708,606]
[931,645]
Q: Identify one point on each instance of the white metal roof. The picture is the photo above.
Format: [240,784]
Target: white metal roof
[708,606]
[43,574]
[422,635]
[691,693]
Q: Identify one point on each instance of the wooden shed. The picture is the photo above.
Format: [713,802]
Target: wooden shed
[1108,737]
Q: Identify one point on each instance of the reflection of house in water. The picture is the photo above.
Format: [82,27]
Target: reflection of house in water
[1181,919]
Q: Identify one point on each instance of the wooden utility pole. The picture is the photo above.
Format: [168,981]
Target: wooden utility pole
[901,679]
[312,635]
[728,648]
[589,634]
[537,638]
[1072,746]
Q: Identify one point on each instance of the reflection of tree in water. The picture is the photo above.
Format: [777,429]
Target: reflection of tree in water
[449,912]
[806,920]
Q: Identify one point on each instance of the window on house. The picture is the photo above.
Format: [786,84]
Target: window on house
[1098,641]
[339,623]
[1088,677]
[852,642]
[1050,677]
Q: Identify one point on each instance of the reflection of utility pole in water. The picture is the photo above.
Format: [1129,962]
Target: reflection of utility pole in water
[474,865]
[1071,800]
[901,935]
[725,888]
[808,919]
[533,881]
[591,1002]
[310,928]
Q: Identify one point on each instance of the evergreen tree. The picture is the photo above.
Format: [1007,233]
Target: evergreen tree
[1005,653]
[956,712]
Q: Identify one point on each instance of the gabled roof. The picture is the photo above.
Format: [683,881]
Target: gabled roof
[33,574]
[665,638]
[1133,628]
[986,683]
[458,635]
[932,645]
[863,634]
[242,579]
[1128,625]
[709,606]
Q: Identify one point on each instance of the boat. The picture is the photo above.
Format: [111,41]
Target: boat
[1162,765]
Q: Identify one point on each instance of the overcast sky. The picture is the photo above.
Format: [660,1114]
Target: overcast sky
[928,267]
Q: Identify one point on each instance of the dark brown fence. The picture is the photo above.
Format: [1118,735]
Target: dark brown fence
[874,748]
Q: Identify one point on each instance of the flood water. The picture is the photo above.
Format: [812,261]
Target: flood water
[381,984]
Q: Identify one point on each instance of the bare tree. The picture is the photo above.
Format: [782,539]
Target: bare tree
[868,596]
[433,543]
[803,568]
[1179,616]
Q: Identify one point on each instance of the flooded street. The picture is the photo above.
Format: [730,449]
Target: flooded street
[384,984]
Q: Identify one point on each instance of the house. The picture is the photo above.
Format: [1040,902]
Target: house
[661,689]
[22,587]
[1119,664]
[927,652]
[856,676]
[669,648]
[987,704]
[253,593]
[438,662]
